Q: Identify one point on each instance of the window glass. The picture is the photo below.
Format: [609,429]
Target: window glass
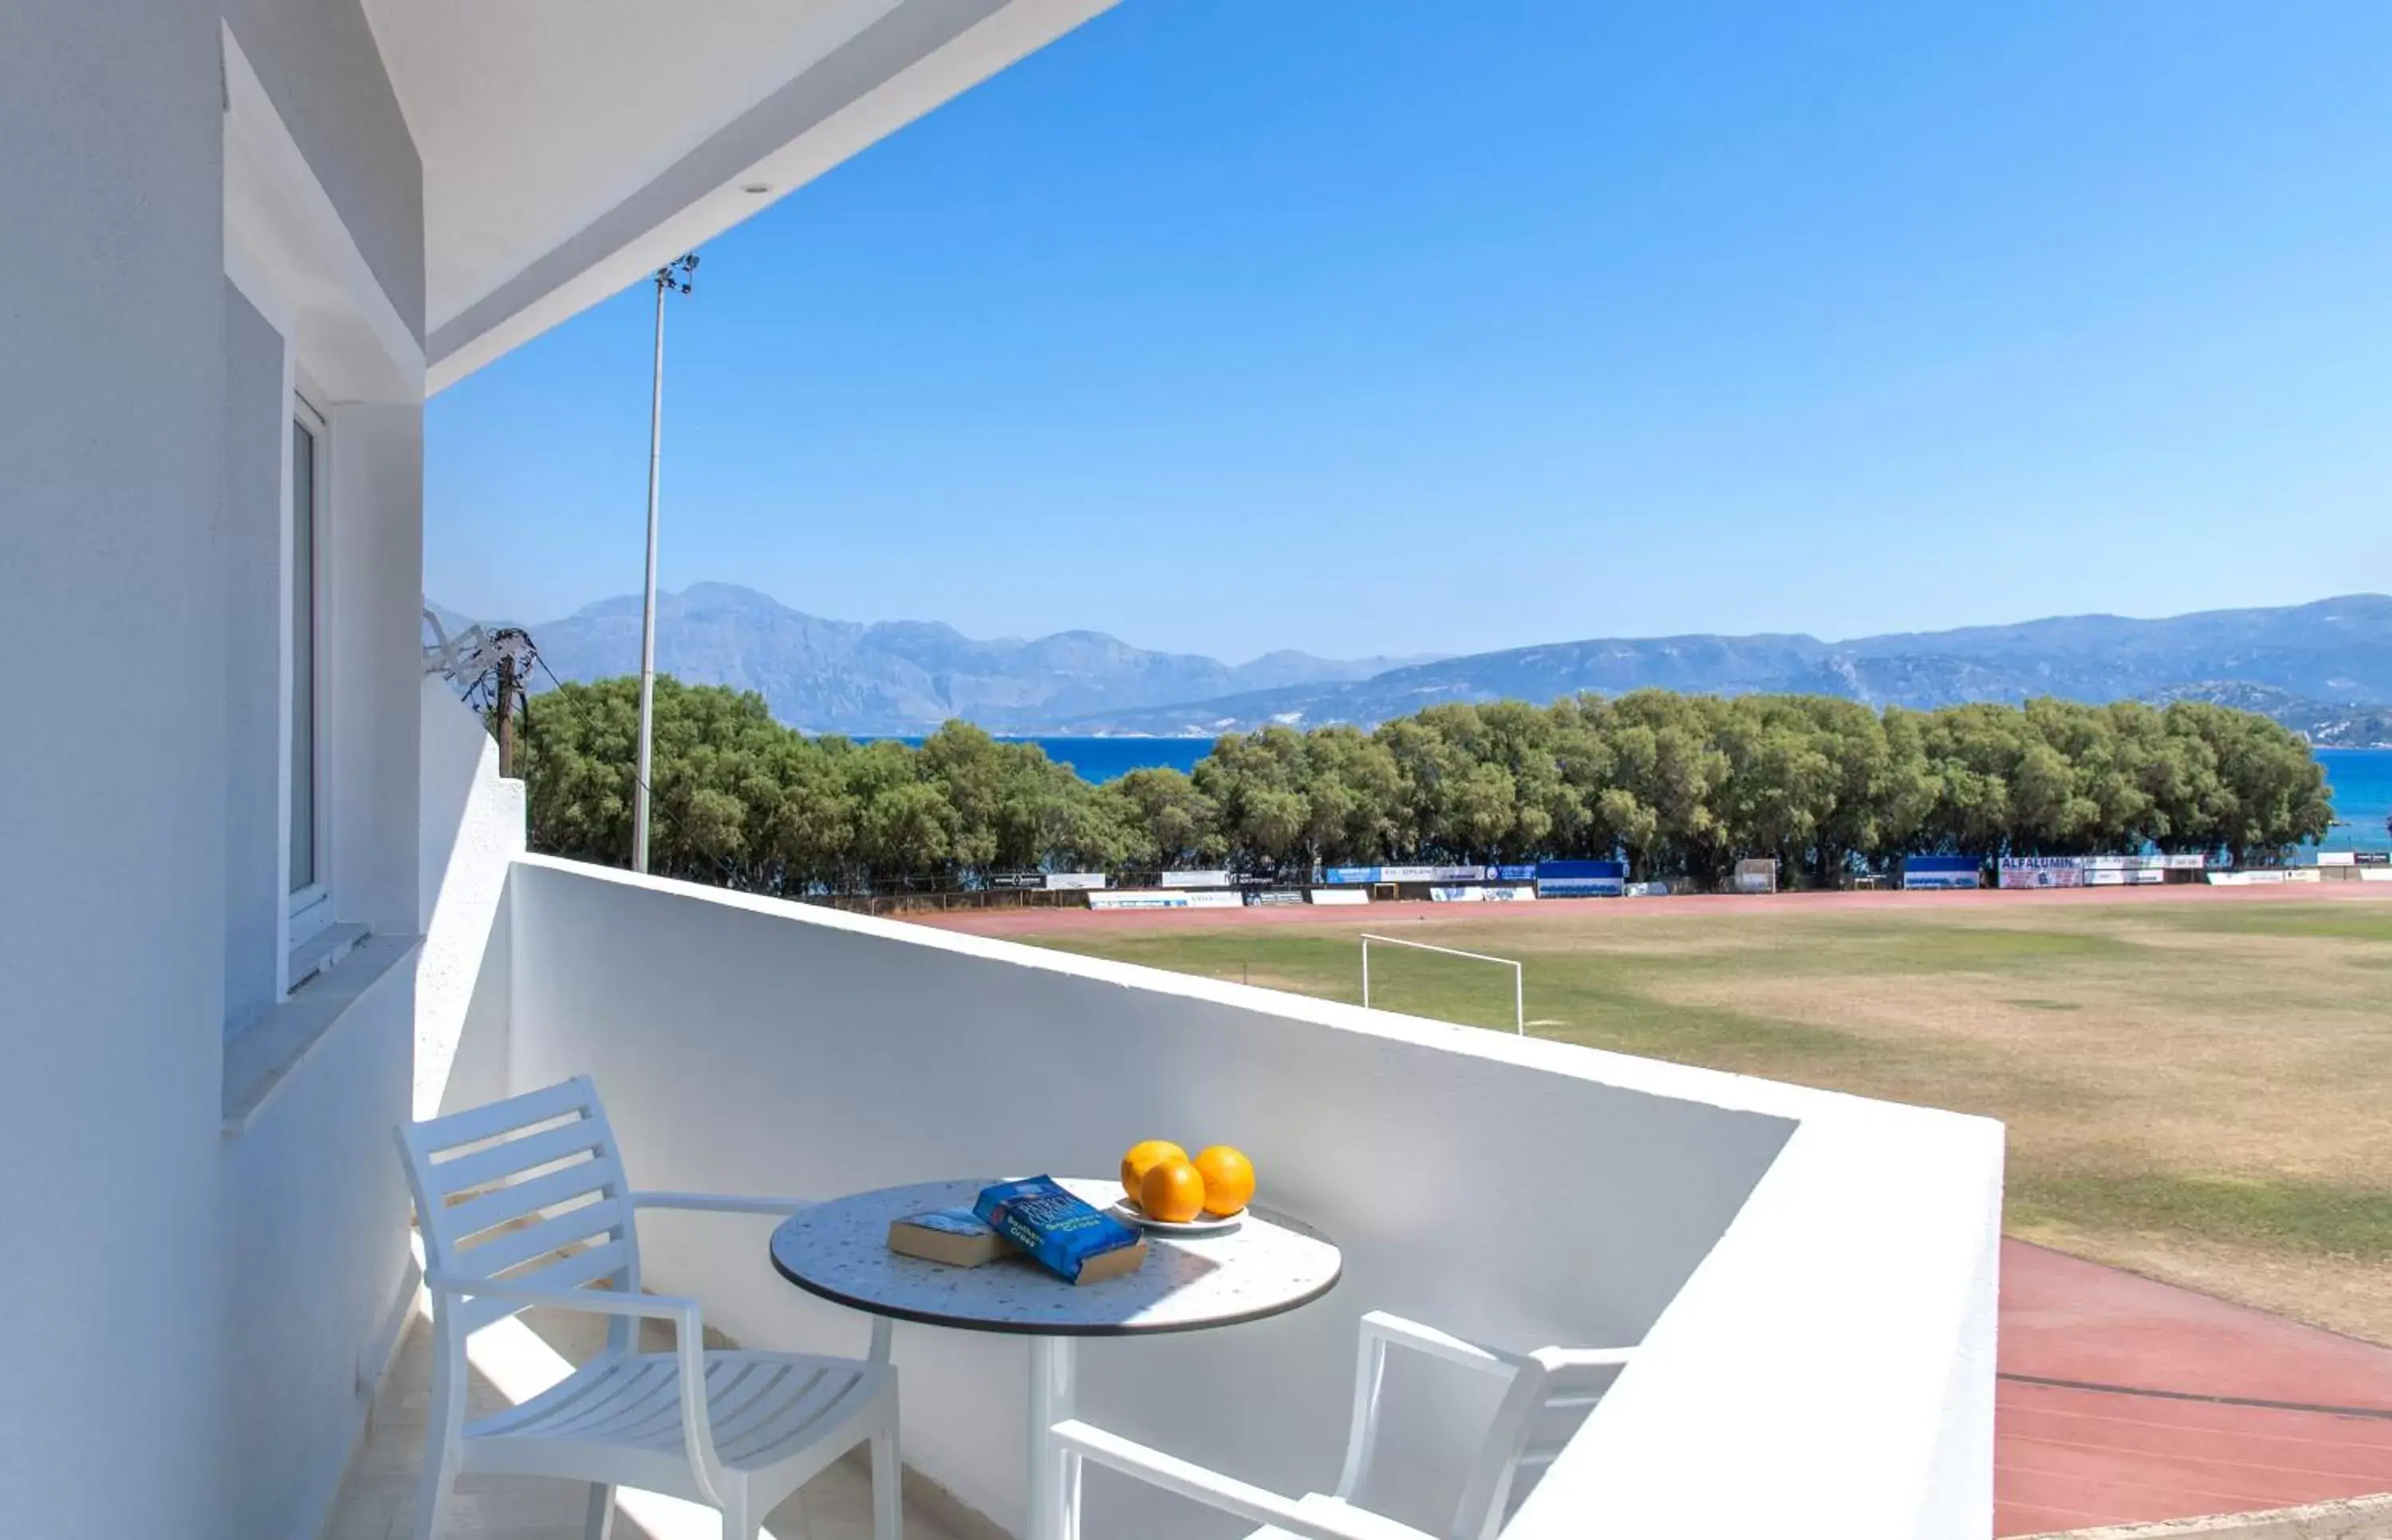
[303,657]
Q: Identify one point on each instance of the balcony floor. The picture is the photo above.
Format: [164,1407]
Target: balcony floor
[377,1501]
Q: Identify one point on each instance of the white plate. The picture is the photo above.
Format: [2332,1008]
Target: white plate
[1125,1210]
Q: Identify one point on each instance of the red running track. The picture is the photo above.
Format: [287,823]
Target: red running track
[2170,1404]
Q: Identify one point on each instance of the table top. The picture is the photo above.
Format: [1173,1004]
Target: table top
[839,1249]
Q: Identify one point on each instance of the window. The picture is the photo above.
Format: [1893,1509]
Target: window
[310,903]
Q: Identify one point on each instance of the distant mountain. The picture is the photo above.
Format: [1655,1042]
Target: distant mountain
[2326,668]
[904,677]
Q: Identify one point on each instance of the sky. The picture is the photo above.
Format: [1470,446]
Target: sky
[1396,326]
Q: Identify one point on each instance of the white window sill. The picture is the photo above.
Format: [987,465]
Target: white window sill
[260,1060]
[321,952]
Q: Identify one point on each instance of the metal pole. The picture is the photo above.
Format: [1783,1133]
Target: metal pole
[648,605]
[1519,1001]
[1365,972]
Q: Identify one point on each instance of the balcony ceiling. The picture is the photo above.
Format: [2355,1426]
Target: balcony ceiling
[571,146]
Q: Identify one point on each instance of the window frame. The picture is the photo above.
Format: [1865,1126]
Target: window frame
[307,910]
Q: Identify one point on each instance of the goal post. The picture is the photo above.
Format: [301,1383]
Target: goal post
[1519,988]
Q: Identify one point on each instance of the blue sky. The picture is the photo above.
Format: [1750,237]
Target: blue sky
[1390,326]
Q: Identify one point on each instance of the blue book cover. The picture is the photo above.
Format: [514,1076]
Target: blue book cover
[1064,1234]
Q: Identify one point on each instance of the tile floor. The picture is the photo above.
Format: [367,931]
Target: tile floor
[377,1501]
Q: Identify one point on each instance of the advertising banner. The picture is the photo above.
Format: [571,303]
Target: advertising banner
[2041,872]
[1195,879]
[1513,873]
[1365,875]
[1339,896]
[1073,880]
[1492,895]
[1548,871]
[1942,871]
[1162,898]
[1014,881]
[2193,862]
[1581,888]
[1274,898]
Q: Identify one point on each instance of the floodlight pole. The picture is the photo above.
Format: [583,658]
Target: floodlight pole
[674,275]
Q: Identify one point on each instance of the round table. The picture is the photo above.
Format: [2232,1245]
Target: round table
[839,1249]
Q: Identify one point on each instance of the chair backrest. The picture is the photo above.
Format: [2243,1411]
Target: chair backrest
[1552,1391]
[530,1189]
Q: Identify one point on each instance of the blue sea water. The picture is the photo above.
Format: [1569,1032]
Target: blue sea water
[1102,759]
[2360,780]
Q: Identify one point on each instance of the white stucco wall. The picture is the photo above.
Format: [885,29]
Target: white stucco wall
[1826,1367]
[471,830]
[111,785]
[314,1229]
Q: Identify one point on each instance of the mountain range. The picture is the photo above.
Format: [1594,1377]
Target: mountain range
[904,677]
[2323,668]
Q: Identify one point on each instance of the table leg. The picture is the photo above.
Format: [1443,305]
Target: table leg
[1054,1394]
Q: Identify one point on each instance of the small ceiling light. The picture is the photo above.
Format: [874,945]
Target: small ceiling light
[757,190]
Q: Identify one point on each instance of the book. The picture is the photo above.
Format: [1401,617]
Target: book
[1071,1239]
[951,1235]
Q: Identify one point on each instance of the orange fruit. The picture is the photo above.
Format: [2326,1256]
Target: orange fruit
[1172,1191]
[1143,1155]
[1229,1179]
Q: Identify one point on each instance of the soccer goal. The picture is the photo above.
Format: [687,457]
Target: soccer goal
[1519,990]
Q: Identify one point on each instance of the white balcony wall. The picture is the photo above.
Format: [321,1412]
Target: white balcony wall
[1814,1271]
[472,830]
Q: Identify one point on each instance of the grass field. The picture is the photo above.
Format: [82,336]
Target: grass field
[2201,1092]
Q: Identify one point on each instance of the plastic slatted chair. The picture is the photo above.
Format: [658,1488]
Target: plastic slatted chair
[1548,1395]
[523,1203]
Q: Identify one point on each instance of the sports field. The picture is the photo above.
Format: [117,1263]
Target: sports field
[2200,1091]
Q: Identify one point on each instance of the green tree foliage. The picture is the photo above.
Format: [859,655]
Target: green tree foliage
[1679,785]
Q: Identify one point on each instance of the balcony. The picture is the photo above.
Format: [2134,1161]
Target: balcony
[1811,1277]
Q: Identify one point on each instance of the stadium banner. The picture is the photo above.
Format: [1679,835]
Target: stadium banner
[1547,870]
[2375,873]
[1581,879]
[2193,862]
[2132,877]
[1074,881]
[1273,897]
[1162,898]
[1581,888]
[1513,873]
[1500,894]
[1647,890]
[1015,880]
[2373,858]
[1339,896]
[1195,879]
[1942,871]
[2338,857]
[1363,877]
[2040,872]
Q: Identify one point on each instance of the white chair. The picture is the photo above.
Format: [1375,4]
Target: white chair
[523,1203]
[1550,1393]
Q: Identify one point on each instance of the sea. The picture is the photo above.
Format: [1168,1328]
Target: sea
[1103,759]
[2360,778]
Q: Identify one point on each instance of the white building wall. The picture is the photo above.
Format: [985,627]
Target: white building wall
[111,779]
[190,1300]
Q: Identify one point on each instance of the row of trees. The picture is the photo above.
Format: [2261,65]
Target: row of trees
[1679,785]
